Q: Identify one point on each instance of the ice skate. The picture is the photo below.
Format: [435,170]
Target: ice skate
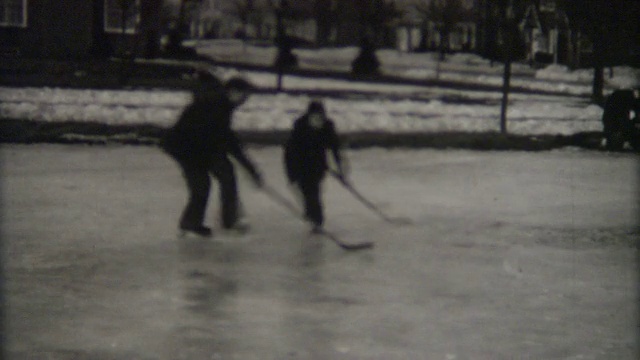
[240,227]
[196,231]
[316,229]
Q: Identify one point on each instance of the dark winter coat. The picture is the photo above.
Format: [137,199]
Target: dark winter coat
[203,132]
[618,111]
[305,150]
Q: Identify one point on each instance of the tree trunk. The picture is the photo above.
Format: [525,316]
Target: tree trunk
[598,71]
[322,12]
[444,39]
[100,47]
[149,28]
[123,29]
[424,36]
[280,36]
[598,83]
[323,31]
[506,84]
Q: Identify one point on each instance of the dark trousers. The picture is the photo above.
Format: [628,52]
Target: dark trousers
[312,204]
[196,174]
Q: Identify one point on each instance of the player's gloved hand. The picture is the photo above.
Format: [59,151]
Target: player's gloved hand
[293,178]
[342,177]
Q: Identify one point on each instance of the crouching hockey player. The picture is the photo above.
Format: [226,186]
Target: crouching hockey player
[621,119]
[201,142]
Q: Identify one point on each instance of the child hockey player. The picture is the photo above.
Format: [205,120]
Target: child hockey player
[306,161]
[201,142]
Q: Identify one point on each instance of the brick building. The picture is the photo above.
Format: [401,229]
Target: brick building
[76,29]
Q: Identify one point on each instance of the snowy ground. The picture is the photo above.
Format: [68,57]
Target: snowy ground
[511,255]
[530,114]
[355,106]
[457,67]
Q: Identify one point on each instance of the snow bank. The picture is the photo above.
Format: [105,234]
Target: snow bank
[359,106]
[267,112]
[421,65]
[617,78]
[113,107]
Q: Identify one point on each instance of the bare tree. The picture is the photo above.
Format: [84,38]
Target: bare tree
[150,18]
[375,17]
[324,13]
[242,9]
[612,28]
[445,14]
[285,59]
[127,13]
[100,46]
[510,48]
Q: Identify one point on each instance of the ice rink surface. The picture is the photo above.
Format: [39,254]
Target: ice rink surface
[511,255]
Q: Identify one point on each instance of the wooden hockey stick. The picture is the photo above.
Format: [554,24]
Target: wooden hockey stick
[284,202]
[371,206]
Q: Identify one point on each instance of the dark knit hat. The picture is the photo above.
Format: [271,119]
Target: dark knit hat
[239,84]
[316,106]
[206,78]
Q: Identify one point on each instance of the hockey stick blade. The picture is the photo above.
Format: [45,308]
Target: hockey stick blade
[282,201]
[371,206]
[346,246]
[278,198]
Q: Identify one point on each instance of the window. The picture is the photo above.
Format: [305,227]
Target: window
[113,11]
[13,13]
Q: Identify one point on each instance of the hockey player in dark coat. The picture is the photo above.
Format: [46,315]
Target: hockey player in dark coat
[621,119]
[306,160]
[201,142]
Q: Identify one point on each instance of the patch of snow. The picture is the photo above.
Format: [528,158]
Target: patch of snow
[360,106]
[265,112]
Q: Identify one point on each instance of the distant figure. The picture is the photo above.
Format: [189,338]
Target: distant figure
[366,63]
[306,161]
[201,142]
[621,120]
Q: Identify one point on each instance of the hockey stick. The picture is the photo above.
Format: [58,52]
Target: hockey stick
[345,246]
[371,206]
[284,202]
[281,200]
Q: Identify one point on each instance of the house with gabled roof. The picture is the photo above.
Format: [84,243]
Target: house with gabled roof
[417,32]
[547,34]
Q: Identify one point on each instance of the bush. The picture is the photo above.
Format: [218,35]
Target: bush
[285,59]
[367,62]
